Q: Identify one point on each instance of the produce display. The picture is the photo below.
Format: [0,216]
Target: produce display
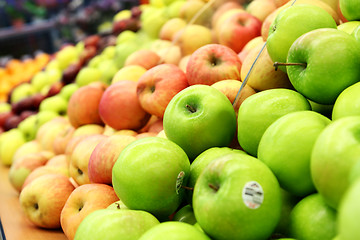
[194,119]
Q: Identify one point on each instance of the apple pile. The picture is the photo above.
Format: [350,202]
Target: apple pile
[199,120]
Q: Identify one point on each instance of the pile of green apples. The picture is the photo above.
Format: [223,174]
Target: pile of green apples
[213,120]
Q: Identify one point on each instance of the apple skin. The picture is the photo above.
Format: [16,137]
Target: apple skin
[130,72]
[185,214]
[88,75]
[28,147]
[312,218]
[43,170]
[155,169]
[190,8]
[239,29]
[289,156]
[80,157]
[47,132]
[143,57]
[169,29]
[350,9]
[282,32]
[43,199]
[230,89]
[348,27]
[200,117]
[319,84]
[155,88]
[103,157]
[261,8]
[122,96]
[54,103]
[333,156]
[260,110]
[100,223]
[347,103]
[201,161]
[173,230]
[212,63]
[83,106]
[83,201]
[249,46]
[263,75]
[193,37]
[20,169]
[10,141]
[348,211]
[220,191]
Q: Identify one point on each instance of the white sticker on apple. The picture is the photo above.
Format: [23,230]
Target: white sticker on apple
[179,181]
[253,195]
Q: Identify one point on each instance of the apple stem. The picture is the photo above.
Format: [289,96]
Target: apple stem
[212,186]
[117,205]
[277,64]
[190,108]
[187,188]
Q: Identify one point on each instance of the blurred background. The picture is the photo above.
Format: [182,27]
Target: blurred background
[28,27]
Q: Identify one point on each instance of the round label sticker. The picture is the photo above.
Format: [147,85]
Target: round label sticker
[253,195]
[179,181]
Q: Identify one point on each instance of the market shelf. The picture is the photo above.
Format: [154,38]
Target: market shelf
[15,225]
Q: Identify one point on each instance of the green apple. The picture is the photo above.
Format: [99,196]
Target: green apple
[290,24]
[149,174]
[335,152]
[28,127]
[260,110]
[347,103]
[68,90]
[45,116]
[108,69]
[235,196]
[22,91]
[122,51]
[174,231]
[88,75]
[201,161]
[348,27]
[95,61]
[10,141]
[312,218]
[173,9]
[198,118]
[286,148]
[112,224]
[324,109]
[54,103]
[320,77]
[125,36]
[5,107]
[39,80]
[288,203]
[123,14]
[185,214]
[152,19]
[66,56]
[80,46]
[109,52]
[349,212]
[350,9]
[53,64]
[356,33]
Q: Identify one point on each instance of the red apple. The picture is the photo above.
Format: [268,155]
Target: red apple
[83,107]
[212,63]
[84,200]
[80,156]
[144,58]
[120,107]
[158,85]
[43,170]
[43,199]
[239,29]
[103,157]
[250,45]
